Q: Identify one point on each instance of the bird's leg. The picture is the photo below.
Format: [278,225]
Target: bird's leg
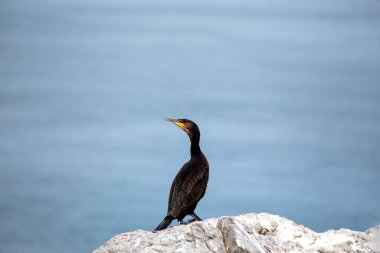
[195,217]
[190,221]
[181,222]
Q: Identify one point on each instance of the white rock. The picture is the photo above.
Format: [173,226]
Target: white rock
[248,233]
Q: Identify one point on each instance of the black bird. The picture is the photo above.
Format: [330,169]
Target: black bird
[190,184]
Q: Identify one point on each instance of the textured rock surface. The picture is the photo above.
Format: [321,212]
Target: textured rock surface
[249,233]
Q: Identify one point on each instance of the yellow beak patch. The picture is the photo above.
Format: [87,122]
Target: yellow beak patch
[181,125]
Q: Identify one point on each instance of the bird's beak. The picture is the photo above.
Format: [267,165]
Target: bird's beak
[179,124]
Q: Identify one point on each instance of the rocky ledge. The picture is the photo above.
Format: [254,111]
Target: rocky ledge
[258,233]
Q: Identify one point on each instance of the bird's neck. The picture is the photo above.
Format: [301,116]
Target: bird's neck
[195,149]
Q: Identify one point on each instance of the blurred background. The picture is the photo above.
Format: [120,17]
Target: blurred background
[286,94]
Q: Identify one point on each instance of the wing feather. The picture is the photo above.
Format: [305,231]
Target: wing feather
[188,187]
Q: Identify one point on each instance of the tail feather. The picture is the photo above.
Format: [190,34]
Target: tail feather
[164,224]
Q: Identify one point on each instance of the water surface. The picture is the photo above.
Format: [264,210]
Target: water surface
[286,95]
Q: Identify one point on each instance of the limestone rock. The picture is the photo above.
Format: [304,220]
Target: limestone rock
[248,233]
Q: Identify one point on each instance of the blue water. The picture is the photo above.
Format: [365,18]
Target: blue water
[286,94]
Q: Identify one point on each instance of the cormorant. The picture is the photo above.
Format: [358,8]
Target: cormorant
[189,186]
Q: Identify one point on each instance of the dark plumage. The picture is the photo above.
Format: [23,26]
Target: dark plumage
[190,184]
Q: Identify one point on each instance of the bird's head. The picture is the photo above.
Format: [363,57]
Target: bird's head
[186,125]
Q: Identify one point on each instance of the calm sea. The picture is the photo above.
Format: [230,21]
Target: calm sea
[286,94]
